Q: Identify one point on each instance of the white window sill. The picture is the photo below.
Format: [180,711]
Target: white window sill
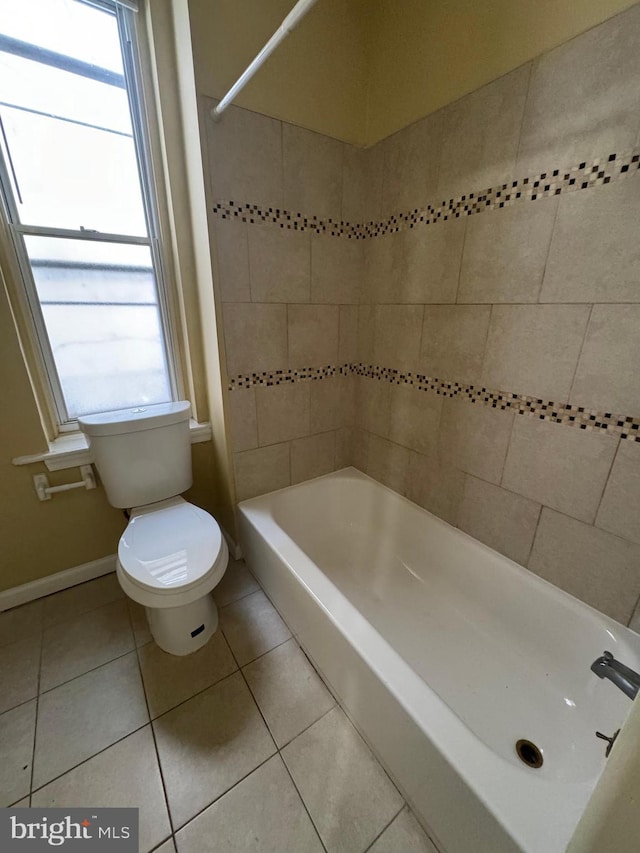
[72,450]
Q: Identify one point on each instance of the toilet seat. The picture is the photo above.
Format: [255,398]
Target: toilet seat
[170,548]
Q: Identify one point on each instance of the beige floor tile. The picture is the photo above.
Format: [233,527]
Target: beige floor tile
[21,622]
[81,599]
[17,731]
[19,666]
[169,680]
[208,744]
[288,691]
[404,835]
[126,774]
[139,623]
[252,627]
[360,799]
[22,804]
[86,715]
[74,647]
[263,814]
[168,847]
[236,582]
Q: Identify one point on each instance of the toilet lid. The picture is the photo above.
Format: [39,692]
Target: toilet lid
[170,545]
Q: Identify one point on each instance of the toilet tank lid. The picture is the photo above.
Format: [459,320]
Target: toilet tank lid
[136,419]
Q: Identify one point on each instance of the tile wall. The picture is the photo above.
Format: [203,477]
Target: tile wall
[455,311]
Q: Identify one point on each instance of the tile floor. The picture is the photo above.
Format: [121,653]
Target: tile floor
[238,747]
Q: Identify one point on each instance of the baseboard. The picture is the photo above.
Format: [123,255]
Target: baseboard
[54,583]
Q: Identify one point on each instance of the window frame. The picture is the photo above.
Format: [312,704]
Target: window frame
[145,131]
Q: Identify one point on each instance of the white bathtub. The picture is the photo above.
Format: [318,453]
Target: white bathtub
[444,653]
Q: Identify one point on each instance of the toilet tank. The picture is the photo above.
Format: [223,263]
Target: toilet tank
[143,455]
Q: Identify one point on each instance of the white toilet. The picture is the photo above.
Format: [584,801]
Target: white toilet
[172,553]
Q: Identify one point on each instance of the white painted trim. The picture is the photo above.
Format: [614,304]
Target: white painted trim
[72,450]
[54,583]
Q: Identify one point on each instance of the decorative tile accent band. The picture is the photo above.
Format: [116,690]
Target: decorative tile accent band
[562,413]
[600,171]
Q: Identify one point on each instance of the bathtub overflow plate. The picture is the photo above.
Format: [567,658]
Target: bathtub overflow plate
[529,754]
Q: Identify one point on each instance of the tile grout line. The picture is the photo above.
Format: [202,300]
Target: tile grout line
[278,750]
[386,827]
[150,724]
[37,713]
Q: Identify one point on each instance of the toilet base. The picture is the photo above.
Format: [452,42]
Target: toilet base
[184,629]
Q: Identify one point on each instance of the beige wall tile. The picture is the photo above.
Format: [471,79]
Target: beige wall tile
[282,412]
[332,403]
[397,336]
[434,486]
[366,333]
[606,378]
[431,256]
[595,254]
[634,622]
[411,165]
[233,260]
[337,268]
[534,349]
[245,158]
[262,470]
[414,418]
[595,566]
[312,172]
[313,335]
[360,449]
[362,183]
[562,467]
[388,463]
[313,456]
[382,269]
[345,438]
[348,334]
[502,520]
[474,438]
[620,508]
[505,253]
[584,97]
[242,415]
[255,337]
[372,405]
[480,137]
[280,264]
[453,341]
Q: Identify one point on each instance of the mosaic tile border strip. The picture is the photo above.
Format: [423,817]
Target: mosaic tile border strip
[562,413]
[602,170]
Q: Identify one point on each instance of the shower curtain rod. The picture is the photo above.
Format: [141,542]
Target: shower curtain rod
[293,18]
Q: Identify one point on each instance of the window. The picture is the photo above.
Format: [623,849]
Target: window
[79,204]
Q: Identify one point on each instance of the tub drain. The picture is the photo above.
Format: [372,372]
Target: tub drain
[529,753]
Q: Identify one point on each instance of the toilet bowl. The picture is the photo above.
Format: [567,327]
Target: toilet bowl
[170,558]
[172,553]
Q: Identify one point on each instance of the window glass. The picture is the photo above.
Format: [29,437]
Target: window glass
[101,313]
[71,162]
